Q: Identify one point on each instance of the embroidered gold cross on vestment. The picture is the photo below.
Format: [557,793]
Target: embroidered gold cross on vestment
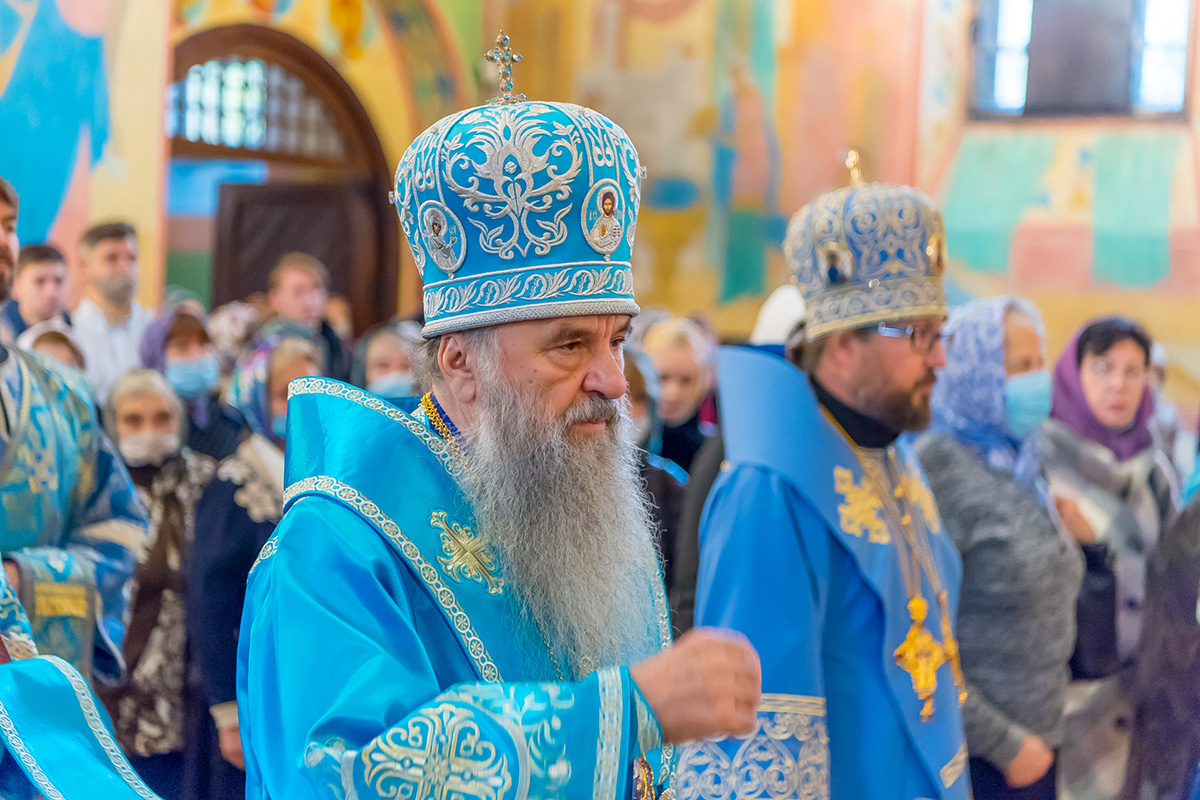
[466,554]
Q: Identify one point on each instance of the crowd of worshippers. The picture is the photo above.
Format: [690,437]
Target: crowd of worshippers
[1059,479]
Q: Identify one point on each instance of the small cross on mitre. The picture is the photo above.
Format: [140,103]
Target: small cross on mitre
[503,56]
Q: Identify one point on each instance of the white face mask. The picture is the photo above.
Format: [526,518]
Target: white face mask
[149,448]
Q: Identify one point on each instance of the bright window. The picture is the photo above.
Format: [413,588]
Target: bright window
[1081,57]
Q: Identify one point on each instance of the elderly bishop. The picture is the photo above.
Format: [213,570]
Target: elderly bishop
[462,599]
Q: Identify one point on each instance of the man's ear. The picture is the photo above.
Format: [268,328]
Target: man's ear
[457,375]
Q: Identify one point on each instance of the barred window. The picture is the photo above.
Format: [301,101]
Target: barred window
[1081,57]
[254,105]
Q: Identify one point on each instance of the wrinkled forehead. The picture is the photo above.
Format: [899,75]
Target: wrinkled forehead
[547,332]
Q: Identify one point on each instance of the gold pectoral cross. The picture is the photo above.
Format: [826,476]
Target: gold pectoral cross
[920,655]
[466,554]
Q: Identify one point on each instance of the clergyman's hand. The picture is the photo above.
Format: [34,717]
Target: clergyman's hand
[707,684]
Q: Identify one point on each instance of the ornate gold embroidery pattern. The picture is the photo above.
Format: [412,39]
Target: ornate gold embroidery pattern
[111,749]
[267,551]
[861,510]
[332,388]
[334,488]
[912,486]
[534,723]
[439,753]
[612,722]
[954,770]
[467,554]
[787,756]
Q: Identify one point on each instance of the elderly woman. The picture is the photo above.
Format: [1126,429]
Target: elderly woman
[1115,495]
[236,516]
[1016,616]
[383,360]
[178,345]
[150,712]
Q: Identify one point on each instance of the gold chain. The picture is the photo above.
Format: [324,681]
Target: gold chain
[916,557]
[439,423]
[921,554]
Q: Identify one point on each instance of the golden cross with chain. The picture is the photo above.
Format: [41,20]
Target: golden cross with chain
[920,655]
[468,557]
[503,56]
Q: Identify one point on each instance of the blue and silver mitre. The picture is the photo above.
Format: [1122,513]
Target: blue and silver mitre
[866,254]
[520,210]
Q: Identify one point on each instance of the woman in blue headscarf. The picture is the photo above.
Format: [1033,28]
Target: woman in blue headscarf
[234,519]
[178,345]
[1016,622]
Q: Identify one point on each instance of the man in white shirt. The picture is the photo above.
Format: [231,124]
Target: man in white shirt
[108,324]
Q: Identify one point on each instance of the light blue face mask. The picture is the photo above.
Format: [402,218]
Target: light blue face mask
[1028,397]
[279,425]
[190,378]
[393,384]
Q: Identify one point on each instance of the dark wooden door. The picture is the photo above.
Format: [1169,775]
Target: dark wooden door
[339,223]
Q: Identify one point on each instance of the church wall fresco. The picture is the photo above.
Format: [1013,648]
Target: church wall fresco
[742,111]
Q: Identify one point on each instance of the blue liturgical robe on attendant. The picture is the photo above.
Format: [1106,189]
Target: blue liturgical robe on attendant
[380,655]
[796,555]
[70,523]
[69,517]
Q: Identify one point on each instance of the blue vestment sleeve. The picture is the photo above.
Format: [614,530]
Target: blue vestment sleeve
[106,539]
[348,687]
[760,575]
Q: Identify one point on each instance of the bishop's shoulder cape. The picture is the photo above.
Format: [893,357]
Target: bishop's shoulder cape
[796,554]
[379,654]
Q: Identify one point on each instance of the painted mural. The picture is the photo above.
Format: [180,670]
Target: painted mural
[82,82]
[742,111]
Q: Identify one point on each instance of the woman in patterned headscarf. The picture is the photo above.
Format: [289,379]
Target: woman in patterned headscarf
[154,712]
[236,516]
[1016,622]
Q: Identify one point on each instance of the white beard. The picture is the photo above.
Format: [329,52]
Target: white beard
[569,522]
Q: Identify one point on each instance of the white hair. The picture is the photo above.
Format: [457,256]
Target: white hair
[139,382]
[680,332]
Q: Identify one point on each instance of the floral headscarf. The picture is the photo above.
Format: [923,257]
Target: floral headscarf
[248,390]
[969,400]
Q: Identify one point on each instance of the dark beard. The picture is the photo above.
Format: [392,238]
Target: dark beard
[896,408]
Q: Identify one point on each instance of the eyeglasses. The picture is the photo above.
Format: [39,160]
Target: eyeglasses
[923,340]
[1106,369]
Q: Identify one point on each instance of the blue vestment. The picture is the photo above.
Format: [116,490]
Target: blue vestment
[380,653]
[797,553]
[70,522]
[69,517]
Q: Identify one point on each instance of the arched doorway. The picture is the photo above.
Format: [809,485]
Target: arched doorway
[271,152]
